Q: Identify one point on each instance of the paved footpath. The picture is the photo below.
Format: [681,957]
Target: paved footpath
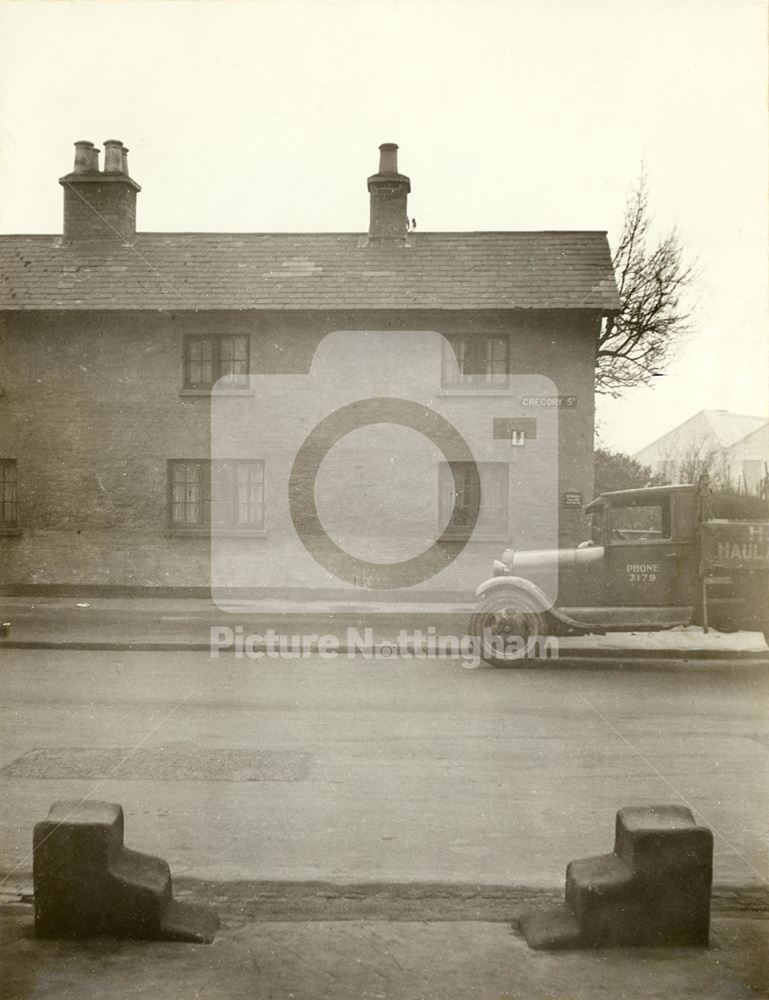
[374,960]
[168,623]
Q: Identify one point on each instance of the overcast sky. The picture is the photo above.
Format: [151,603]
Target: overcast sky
[524,114]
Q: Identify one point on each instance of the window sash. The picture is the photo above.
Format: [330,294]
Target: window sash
[190,493]
[238,495]
[9,513]
[233,360]
[199,362]
[219,494]
[207,359]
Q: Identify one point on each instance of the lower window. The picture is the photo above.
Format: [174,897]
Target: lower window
[459,498]
[207,494]
[9,515]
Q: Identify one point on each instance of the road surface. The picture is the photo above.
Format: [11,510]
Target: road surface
[403,769]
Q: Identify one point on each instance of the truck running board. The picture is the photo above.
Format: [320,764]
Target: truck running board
[651,619]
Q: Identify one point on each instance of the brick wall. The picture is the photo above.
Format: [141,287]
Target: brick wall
[93,409]
[99,210]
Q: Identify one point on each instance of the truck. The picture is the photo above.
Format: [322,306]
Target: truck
[655,560]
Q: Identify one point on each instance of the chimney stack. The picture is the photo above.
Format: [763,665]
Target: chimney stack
[99,205]
[388,192]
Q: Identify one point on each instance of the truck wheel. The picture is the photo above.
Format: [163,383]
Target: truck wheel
[506,626]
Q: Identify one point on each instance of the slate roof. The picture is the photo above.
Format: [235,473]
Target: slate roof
[493,270]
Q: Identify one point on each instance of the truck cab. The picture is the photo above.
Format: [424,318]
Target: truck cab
[649,541]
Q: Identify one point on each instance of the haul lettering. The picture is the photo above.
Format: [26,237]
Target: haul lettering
[747,551]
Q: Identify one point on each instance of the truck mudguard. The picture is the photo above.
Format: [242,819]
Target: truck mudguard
[498,584]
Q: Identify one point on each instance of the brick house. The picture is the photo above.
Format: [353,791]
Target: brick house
[122,355]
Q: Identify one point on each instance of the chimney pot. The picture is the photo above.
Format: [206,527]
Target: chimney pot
[86,157]
[125,160]
[113,156]
[388,158]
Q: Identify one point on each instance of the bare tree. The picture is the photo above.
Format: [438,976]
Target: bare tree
[691,461]
[635,345]
[701,461]
[724,494]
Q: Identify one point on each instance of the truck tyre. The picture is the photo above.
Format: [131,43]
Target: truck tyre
[506,624]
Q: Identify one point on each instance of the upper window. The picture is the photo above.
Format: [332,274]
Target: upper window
[220,494]
[211,358]
[483,361]
[9,515]
[459,498]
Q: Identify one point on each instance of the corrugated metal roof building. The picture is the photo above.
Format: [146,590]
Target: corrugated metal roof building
[731,447]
